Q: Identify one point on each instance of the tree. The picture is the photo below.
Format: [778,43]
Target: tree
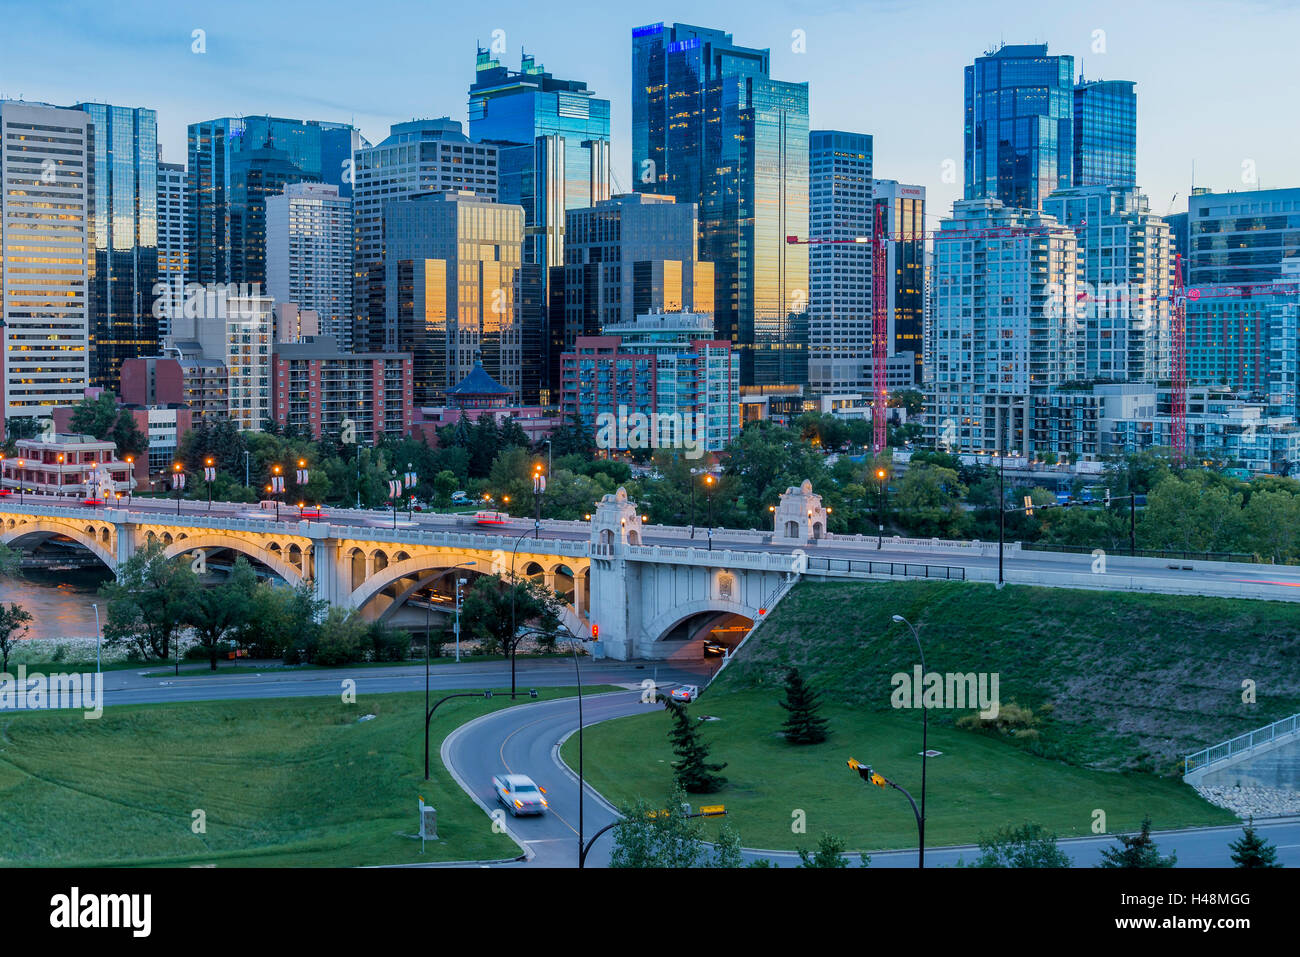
[929,501]
[802,723]
[21,427]
[343,636]
[829,853]
[13,625]
[1029,845]
[1251,851]
[692,771]
[219,611]
[489,615]
[658,837]
[103,418]
[150,602]
[11,562]
[726,849]
[1137,851]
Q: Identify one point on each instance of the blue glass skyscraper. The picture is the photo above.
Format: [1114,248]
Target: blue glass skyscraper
[1105,133]
[711,127]
[124,264]
[553,147]
[1019,135]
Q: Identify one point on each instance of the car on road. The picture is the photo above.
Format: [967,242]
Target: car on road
[488,517]
[520,794]
[715,649]
[686,693]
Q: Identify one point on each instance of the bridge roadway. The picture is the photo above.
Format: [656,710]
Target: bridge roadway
[1275,582]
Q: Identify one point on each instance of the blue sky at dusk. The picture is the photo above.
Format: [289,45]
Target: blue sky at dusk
[1216,78]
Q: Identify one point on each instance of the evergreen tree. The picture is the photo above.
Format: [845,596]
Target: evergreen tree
[692,771]
[1253,851]
[1137,851]
[802,724]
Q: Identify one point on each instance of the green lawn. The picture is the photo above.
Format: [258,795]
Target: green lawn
[977,785]
[285,782]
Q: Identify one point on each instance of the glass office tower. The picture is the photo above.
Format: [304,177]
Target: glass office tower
[1019,136]
[1105,133]
[711,127]
[226,198]
[553,140]
[124,210]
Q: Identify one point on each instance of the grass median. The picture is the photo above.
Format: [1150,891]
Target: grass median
[278,782]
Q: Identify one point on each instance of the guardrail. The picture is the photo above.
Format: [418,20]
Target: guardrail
[852,566]
[1242,743]
[1238,557]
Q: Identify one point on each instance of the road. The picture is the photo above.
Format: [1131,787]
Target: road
[525,740]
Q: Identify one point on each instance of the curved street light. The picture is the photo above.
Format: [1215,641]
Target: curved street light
[925,728]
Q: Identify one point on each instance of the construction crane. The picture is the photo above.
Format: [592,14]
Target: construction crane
[879,296]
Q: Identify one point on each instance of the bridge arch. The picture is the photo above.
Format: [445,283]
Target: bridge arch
[666,621]
[85,536]
[215,540]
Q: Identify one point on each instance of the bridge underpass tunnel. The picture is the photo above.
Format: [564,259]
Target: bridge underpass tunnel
[428,596]
[689,638]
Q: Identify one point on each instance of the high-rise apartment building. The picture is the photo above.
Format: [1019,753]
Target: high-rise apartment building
[323,392]
[710,126]
[1002,336]
[1123,299]
[234,165]
[309,255]
[903,207]
[1019,130]
[452,281]
[553,137]
[417,157]
[234,330]
[172,260]
[1241,237]
[1105,133]
[124,204]
[46,249]
[840,208]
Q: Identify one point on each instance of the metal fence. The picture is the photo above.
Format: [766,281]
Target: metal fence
[1240,744]
[1147,553]
[853,566]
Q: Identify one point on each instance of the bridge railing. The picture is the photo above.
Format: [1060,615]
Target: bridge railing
[723,557]
[1239,745]
[854,566]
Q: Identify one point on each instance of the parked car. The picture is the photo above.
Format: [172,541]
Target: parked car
[520,794]
[685,693]
[459,498]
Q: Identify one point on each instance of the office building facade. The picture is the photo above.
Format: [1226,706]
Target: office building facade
[903,208]
[710,126]
[309,255]
[1105,133]
[46,255]
[172,260]
[840,205]
[1241,237]
[1019,127]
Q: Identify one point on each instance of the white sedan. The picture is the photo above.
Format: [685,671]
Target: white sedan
[686,693]
[520,794]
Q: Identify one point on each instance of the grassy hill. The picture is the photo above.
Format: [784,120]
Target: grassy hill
[1116,681]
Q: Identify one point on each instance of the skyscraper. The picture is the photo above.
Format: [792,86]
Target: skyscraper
[711,127]
[904,212]
[1123,300]
[172,259]
[1241,237]
[46,242]
[1105,133]
[1019,137]
[839,274]
[124,204]
[553,137]
[416,158]
[452,281]
[309,255]
[234,164]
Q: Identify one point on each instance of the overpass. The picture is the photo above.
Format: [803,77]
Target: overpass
[651,591]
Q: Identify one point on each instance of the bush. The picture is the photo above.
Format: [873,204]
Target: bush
[342,638]
[389,645]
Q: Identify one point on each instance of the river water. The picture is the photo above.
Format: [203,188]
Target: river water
[59,602]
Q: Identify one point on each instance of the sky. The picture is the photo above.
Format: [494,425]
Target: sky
[1217,85]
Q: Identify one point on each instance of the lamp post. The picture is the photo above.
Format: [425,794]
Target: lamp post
[694,472]
[209,476]
[21,464]
[277,487]
[247,484]
[880,528]
[459,583]
[1002,511]
[514,628]
[880,781]
[428,603]
[539,489]
[428,717]
[925,744]
[178,483]
[582,856]
[709,480]
[549,467]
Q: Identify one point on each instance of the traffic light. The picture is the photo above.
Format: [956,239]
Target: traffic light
[595,632]
[1029,506]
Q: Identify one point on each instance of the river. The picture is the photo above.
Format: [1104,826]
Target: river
[59,602]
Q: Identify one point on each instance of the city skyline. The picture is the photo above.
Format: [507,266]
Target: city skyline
[121,56]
